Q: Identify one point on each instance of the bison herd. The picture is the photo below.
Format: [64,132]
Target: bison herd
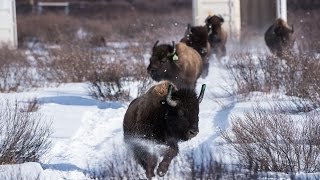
[169,111]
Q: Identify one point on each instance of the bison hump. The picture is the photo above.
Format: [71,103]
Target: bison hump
[161,89]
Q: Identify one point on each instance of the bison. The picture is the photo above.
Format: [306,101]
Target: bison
[278,37]
[164,115]
[217,35]
[179,64]
[197,38]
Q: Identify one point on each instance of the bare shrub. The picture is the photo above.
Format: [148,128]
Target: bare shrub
[23,135]
[16,73]
[294,74]
[272,141]
[31,106]
[246,71]
[107,82]
[68,63]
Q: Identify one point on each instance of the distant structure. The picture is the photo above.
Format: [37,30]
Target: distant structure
[8,24]
[62,4]
[240,15]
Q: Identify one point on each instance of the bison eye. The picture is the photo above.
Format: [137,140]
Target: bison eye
[163,60]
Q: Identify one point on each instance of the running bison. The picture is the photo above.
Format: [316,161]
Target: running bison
[279,38]
[197,38]
[164,115]
[217,35]
[179,64]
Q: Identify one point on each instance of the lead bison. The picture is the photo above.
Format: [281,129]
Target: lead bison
[197,38]
[278,37]
[217,35]
[179,64]
[164,115]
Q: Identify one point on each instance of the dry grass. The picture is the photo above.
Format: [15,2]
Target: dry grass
[306,28]
[133,25]
[273,141]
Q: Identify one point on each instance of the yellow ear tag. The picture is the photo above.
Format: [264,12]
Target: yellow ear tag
[175,57]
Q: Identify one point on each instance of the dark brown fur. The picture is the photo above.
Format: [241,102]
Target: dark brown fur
[217,35]
[278,37]
[197,38]
[183,73]
[146,119]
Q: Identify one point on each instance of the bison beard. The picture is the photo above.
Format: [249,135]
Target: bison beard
[164,115]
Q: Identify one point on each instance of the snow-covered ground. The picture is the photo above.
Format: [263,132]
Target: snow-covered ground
[87,131]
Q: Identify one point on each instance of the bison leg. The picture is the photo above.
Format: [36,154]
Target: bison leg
[205,70]
[170,153]
[147,160]
[221,52]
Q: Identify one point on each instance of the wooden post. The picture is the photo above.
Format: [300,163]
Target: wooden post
[195,18]
[282,9]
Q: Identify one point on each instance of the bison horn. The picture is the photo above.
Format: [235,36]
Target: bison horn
[155,44]
[221,18]
[171,102]
[174,47]
[189,29]
[203,87]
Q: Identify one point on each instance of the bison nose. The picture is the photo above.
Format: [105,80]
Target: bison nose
[192,133]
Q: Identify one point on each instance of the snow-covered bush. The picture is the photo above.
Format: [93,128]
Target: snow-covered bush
[294,74]
[16,72]
[67,63]
[108,81]
[24,136]
[274,141]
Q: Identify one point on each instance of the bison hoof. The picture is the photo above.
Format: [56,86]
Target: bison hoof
[150,175]
[161,173]
[162,169]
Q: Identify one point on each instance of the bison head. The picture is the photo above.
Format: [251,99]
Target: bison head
[181,114]
[197,38]
[213,22]
[283,31]
[161,61]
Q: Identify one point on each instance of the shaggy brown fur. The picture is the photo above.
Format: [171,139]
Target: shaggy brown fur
[197,38]
[183,72]
[151,117]
[278,37]
[217,35]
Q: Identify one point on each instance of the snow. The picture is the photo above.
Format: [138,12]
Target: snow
[23,171]
[87,131]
